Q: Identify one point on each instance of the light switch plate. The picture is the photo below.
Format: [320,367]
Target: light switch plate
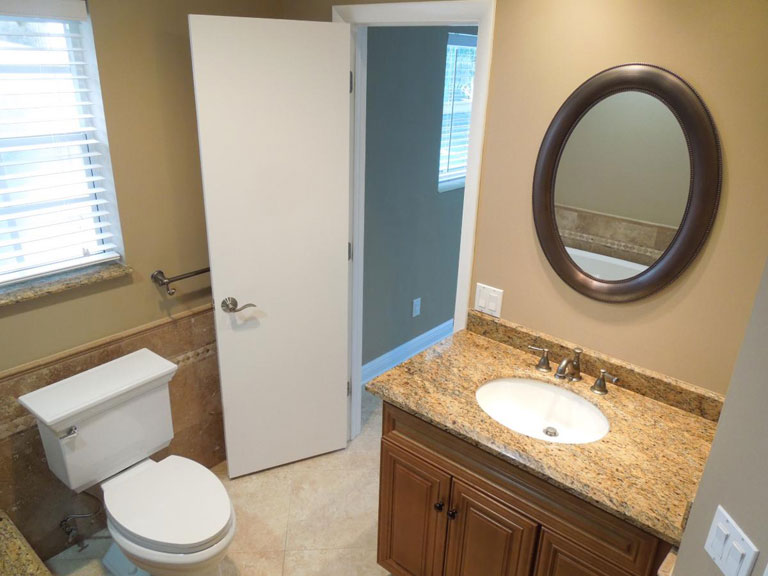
[488,299]
[416,310]
[730,548]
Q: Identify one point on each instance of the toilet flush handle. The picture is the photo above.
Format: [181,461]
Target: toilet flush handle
[70,433]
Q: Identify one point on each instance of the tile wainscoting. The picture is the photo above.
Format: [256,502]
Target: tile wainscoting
[32,496]
[632,240]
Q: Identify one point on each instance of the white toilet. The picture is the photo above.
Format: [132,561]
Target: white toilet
[172,517]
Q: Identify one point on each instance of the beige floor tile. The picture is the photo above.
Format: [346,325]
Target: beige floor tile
[363,452]
[332,563]
[261,504]
[333,509]
[72,567]
[256,564]
[371,423]
[323,509]
[370,402]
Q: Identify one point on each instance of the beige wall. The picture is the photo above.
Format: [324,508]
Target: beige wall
[736,471]
[543,50]
[146,78]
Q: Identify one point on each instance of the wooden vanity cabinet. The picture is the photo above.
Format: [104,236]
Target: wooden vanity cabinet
[418,501]
[560,557]
[449,508]
[412,513]
[485,537]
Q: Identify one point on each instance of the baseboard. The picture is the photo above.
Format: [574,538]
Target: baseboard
[387,361]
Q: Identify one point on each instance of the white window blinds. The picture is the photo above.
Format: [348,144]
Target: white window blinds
[57,204]
[457,109]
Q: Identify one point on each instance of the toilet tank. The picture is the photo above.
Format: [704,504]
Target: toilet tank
[102,421]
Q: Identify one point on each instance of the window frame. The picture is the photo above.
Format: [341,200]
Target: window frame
[75,12]
[453,180]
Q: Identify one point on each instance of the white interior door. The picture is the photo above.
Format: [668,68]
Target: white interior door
[273,110]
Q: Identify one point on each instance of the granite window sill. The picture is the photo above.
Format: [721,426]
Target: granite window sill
[61,282]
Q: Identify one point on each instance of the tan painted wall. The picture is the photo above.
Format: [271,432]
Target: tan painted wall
[543,50]
[738,463]
[146,77]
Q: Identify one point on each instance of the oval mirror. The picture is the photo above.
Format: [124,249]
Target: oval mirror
[627,183]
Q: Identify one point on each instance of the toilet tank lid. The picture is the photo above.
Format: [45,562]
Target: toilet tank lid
[59,401]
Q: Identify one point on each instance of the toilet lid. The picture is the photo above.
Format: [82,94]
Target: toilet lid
[175,505]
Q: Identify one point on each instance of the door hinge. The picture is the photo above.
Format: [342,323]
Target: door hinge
[349,250]
[351,81]
[349,388]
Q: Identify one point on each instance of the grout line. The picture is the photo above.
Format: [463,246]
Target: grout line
[288,518]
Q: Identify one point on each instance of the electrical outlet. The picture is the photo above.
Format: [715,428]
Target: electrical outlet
[416,307]
[488,299]
[729,547]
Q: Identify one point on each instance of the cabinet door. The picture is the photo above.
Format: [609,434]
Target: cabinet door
[559,556]
[413,503]
[487,538]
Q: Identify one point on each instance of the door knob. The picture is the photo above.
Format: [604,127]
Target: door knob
[439,506]
[229,305]
[452,513]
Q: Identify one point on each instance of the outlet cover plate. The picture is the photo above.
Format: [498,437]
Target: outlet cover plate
[729,547]
[488,299]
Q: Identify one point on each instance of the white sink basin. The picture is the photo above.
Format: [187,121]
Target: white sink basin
[542,411]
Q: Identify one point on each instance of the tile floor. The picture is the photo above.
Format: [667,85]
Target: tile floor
[316,517]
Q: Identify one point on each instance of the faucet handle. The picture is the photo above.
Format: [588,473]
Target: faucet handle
[599,386]
[543,365]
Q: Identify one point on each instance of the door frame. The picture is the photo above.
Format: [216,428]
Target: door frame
[480,13]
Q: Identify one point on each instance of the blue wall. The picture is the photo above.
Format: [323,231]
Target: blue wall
[412,232]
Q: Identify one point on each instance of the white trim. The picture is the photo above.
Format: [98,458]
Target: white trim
[480,13]
[52,9]
[443,13]
[387,361]
[357,212]
[450,184]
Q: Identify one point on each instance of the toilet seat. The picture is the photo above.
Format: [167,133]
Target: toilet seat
[174,506]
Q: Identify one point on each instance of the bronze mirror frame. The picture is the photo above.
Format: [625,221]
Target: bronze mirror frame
[704,191]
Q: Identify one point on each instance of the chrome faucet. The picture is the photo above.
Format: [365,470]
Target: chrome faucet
[570,368]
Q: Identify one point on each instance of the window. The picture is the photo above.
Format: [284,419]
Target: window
[457,110]
[57,205]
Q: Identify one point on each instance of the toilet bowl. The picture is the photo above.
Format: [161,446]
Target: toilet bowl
[170,517]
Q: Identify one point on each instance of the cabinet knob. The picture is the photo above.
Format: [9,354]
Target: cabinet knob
[439,506]
[452,513]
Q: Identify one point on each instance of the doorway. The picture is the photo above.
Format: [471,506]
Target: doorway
[477,14]
[418,111]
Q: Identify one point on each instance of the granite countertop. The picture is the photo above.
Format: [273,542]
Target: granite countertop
[645,470]
[16,555]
